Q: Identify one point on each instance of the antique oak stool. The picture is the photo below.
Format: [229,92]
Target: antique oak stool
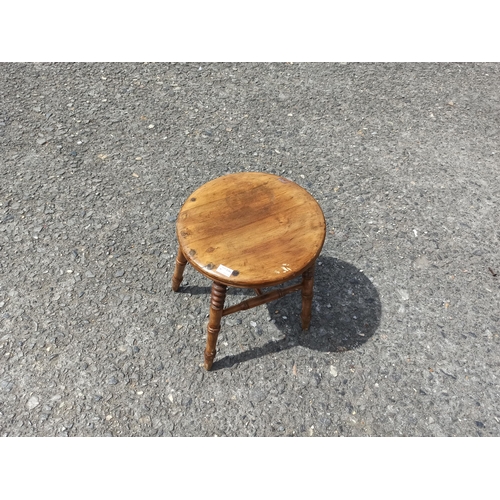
[249,230]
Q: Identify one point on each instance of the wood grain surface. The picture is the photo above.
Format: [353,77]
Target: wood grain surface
[263,229]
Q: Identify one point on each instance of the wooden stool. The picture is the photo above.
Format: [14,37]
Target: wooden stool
[249,230]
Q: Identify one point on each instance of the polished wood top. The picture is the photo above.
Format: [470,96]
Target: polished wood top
[251,229]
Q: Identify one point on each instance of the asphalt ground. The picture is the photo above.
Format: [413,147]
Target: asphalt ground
[96,161]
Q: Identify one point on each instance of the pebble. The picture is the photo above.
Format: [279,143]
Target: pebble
[89,274]
[119,273]
[333,371]
[41,141]
[33,402]
[315,380]
[253,323]
[112,381]
[6,384]
[421,262]
[257,395]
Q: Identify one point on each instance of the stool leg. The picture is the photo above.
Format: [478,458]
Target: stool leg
[180,264]
[217,298]
[307,295]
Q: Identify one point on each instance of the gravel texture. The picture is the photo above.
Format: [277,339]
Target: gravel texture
[96,161]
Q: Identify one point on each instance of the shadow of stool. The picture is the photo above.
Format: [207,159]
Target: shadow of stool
[346,314]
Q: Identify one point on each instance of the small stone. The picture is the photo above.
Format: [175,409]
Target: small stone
[89,274]
[421,262]
[33,402]
[325,422]
[315,380]
[151,126]
[119,273]
[403,294]
[257,395]
[6,385]
[145,420]
[112,381]
[40,142]
[253,323]
[333,371]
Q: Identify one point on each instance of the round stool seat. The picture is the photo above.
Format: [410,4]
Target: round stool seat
[251,230]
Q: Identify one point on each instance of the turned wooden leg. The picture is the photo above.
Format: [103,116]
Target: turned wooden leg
[216,305]
[307,295]
[180,264]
